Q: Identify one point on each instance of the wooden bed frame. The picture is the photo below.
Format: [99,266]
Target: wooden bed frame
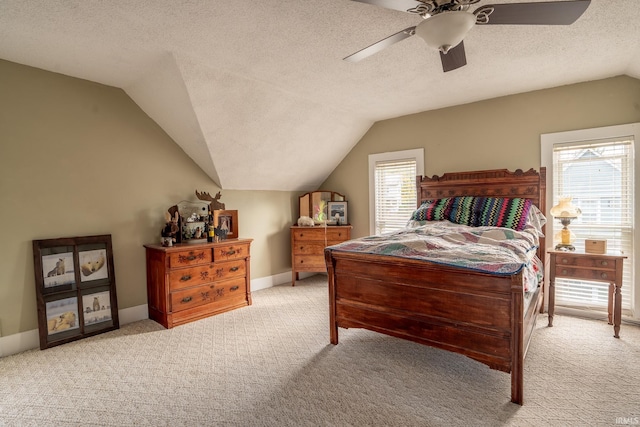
[479,315]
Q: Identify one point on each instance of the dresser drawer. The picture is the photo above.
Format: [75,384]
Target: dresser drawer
[230,251]
[308,248]
[302,262]
[586,274]
[188,277]
[190,257]
[229,269]
[212,292]
[590,262]
[338,235]
[309,233]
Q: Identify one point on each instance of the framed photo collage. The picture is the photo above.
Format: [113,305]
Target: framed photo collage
[75,288]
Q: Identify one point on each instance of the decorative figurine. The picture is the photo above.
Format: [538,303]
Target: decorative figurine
[170,229]
[214,201]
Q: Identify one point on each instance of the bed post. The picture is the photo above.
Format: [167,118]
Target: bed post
[333,325]
[517,339]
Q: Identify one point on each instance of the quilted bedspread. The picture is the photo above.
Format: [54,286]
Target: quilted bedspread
[494,250]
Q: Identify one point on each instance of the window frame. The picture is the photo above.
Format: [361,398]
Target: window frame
[547,142]
[416,154]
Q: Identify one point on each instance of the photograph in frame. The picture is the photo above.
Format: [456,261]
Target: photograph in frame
[227,221]
[338,213]
[62,315]
[93,265]
[58,270]
[96,308]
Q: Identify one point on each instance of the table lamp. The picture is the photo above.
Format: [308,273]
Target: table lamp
[565,211]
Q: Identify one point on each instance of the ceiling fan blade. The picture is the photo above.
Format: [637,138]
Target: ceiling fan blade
[410,6]
[544,13]
[378,46]
[453,59]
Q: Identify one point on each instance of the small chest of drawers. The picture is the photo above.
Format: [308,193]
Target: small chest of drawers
[307,247]
[191,281]
[590,267]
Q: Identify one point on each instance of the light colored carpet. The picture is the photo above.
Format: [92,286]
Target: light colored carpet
[271,364]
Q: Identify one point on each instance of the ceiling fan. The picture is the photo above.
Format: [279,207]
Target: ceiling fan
[447,22]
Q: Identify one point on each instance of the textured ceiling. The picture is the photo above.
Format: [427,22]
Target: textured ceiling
[257,92]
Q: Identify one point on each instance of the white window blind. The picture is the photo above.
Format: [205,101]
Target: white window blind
[598,175]
[395,193]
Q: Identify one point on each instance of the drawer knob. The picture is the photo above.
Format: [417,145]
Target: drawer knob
[564,271]
[234,288]
[564,260]
[191,257]
[231,252]
[186,299]
[604,263]
[603,275]
[236,268]
[185,278]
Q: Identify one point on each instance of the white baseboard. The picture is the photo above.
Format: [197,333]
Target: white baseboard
[20,342]
[28,340]
[269,281]
[133,314]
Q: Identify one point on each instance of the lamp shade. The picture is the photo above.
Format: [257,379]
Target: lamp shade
[565,209]
[445,30]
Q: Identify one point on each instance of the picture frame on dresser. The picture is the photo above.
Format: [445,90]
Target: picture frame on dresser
[72,274]
[226,220]
[338,213]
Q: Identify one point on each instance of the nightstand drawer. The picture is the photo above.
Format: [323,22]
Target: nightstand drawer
[585,273]
[589,262]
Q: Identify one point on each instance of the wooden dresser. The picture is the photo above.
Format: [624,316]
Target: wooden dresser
[307,247]
[187,282]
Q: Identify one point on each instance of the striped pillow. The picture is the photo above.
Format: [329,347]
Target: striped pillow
[433,210]
[462,211]
[501,212]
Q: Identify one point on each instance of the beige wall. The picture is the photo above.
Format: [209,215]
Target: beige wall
[79,158]
[497,133]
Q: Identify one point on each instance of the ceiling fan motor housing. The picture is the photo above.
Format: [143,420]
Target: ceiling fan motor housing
[445,30]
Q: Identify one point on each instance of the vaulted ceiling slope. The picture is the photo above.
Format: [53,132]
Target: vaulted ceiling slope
[257,92]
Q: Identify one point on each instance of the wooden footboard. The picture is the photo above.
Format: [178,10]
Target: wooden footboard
[475,314]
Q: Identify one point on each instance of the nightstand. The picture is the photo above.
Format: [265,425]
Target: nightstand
[589,267]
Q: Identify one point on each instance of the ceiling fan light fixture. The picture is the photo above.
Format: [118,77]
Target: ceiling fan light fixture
[445,30]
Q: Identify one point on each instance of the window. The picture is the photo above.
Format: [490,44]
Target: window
[392,188]
[596,168]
